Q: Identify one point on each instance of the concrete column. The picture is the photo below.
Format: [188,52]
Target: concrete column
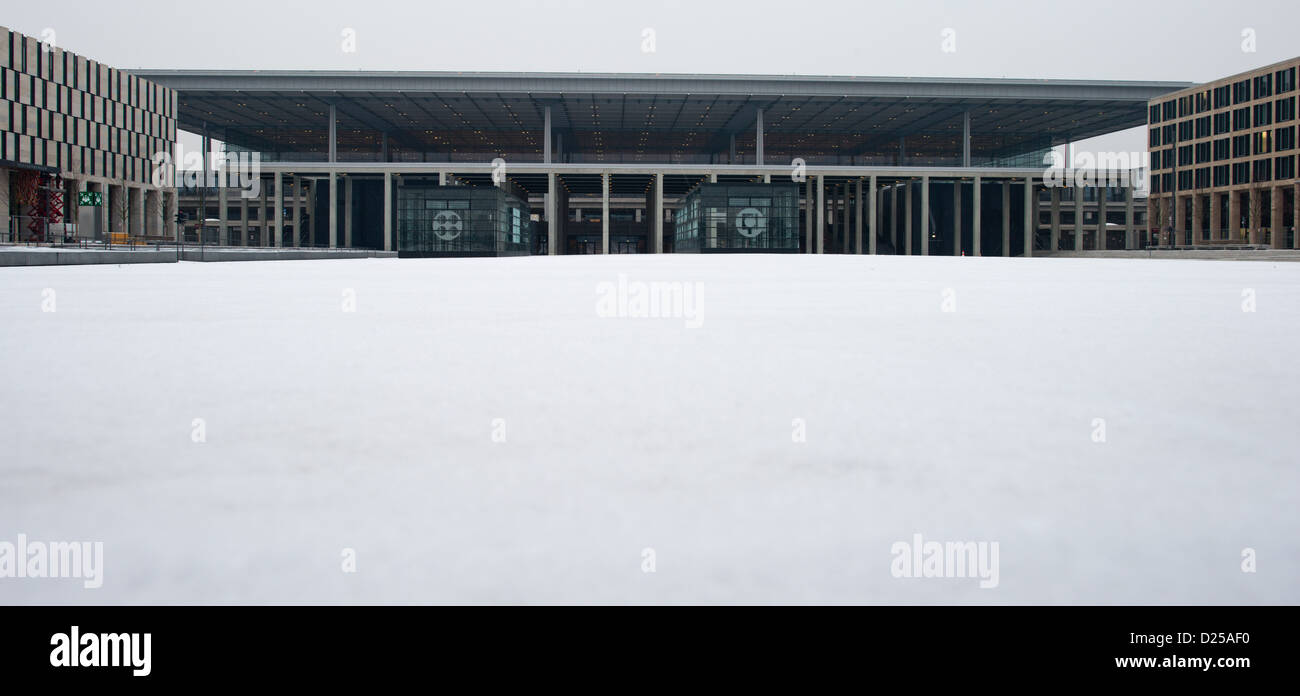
[925,215]
[546,152]
[552,225]
[278,212]
[604,211]
[1196,219]
[104,217]
[1030,221]
[1102,192]
[1078,217]
[1217,217]
[821,214]
[388,211]
[334,210]
[223,225]
[5,220]
[965,141]
[808,204]
[135,215]
[334,141]
[907,218]
[295,239]
[442,178]
[659,213]
[1254,215]
[263,218]
[1277,234]
[713,178]
[1178,217]
[243,221]
[1295,216]
[1234,215]
[758,139]
[893,216]
[871,218]
[171,229]
[1130,229]
[857,217]
[347,211]
[956,218]
[1006,218]
[153,213]
[844,233]
[1055,244]
[975,217]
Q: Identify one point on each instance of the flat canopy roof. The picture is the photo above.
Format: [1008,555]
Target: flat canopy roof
[614,113]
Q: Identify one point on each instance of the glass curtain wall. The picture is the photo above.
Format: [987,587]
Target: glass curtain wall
[738,217]
[437,220]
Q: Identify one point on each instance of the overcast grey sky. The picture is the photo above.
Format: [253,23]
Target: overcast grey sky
[1189,40]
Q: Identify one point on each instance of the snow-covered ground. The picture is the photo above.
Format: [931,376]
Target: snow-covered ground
[379,430]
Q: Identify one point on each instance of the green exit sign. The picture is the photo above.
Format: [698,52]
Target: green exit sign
[90,198]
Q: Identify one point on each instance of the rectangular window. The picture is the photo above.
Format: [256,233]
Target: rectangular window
[1264,86]
[1203,127]
[1264,170]
[1221,175]
[1153,138]
[1153,114]
[1241,173]
[1241,92]
[1285,109]
[1202,101]
[1222,96]
[1222,123]
[1263,114]
[1221,149]
[1202,153]
[1285,167]
[1241,146]
[1241,118]
[1284,138]
[1263,143]
[1285,80]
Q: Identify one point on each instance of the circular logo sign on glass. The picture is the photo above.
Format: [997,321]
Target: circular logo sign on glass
[751,222]
[447,225]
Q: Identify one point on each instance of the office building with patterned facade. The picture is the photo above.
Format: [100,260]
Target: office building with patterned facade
[71,126]
[1227,150]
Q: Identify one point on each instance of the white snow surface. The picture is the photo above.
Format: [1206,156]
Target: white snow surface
[372,430]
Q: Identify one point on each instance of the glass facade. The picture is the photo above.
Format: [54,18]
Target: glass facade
[738,217]
[437,220]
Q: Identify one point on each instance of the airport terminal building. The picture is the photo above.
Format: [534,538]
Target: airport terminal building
[637,163]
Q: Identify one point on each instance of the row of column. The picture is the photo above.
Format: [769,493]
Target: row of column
[1078,230]
[857,204]
[857,217]
[1244,227]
